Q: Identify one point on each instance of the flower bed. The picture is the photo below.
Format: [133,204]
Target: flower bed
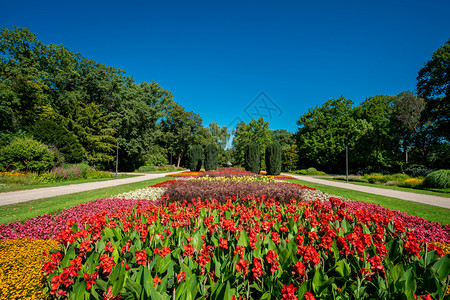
[49,225]
[21,268]
[257,248]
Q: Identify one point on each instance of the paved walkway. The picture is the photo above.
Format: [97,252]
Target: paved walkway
[421,198]
[39,193]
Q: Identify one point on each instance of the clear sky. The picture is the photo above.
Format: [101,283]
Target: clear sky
[231,60]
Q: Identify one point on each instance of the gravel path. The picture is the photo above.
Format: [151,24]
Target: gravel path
[27,195]
[421,198]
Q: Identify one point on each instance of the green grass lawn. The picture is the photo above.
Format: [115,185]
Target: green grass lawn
[20,187]
[433,192]
[428,212]
[26,210]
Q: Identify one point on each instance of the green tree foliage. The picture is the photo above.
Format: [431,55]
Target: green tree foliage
[433,84]
[26,154]
[183,128]
[93,102]
[325,131]
[290,158]
[252,156]
[195,157]
[220,137]
[273,158]
[379,147]
[211,157]
[257,131]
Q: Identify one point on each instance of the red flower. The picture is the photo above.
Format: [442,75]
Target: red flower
[90,280]
[288,292]
[223,243]
[309,296]
[163,251]
[181,276]
[109,247]
[242,266]
[257,270]
[156,280]
[107,264]
[141,257]
[299,269]
[275,237]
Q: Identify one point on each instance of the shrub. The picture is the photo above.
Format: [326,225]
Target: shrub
[412,182]
[418,172]
[376,178]
[438,179]
[26,154]
[155,159]
[273,159]
[195,157]
[98,174]
[311,170]
[18,178]
[399,177]
[67,172]
[252,158]
[211,157]
[85,169]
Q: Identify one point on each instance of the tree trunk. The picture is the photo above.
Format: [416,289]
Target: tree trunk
[179,160]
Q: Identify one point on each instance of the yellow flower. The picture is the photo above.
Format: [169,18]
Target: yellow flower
[21,262]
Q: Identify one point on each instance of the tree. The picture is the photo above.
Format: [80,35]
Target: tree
[433,84]
[252,157]
[257,131]
[195,157]
[290,158]
[406,118]
[182,128]
[220,137]
[378,148]
[273,158]
[325,131]
[211,157]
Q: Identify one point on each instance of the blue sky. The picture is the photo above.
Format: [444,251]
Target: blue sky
[231,60]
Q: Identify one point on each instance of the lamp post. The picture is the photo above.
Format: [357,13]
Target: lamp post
[346,163]
[117,159]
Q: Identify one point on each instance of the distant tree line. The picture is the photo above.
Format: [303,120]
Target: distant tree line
[82,109]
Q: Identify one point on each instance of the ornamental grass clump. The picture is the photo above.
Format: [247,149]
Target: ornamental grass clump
[21,263]
[253,248]
[438,179]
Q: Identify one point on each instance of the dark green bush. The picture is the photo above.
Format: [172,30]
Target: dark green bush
[273,159]
[211,157]
[418,172]
[195,157]
[311,170]
[438,179]
[252,158]
[26,154]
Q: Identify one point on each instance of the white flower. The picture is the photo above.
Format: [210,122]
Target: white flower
[150,193]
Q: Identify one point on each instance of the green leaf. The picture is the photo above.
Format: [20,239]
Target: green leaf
[119,284]
[134,287]
[79,290]
[442,267]
[164,264]
[408,279]
[197,241]
[243,239]
[396,272]
[343,268]
[107,233]
[228,292]
[266,296]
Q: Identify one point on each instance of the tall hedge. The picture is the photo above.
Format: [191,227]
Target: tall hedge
[211,157]
[252,158]
[273,159]
[195,157]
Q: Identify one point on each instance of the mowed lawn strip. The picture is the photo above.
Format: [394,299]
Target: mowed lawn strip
[432,192]
[428,212]
[26,210]
[17,187]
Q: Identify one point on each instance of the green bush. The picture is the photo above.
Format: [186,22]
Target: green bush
[273,159]
[195,157]
[311,170]
[211,157]
[438,179]
[418,172]
[399,177]
[252,158]
[376,178]
[26,154]
[155,159]
[98,174]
